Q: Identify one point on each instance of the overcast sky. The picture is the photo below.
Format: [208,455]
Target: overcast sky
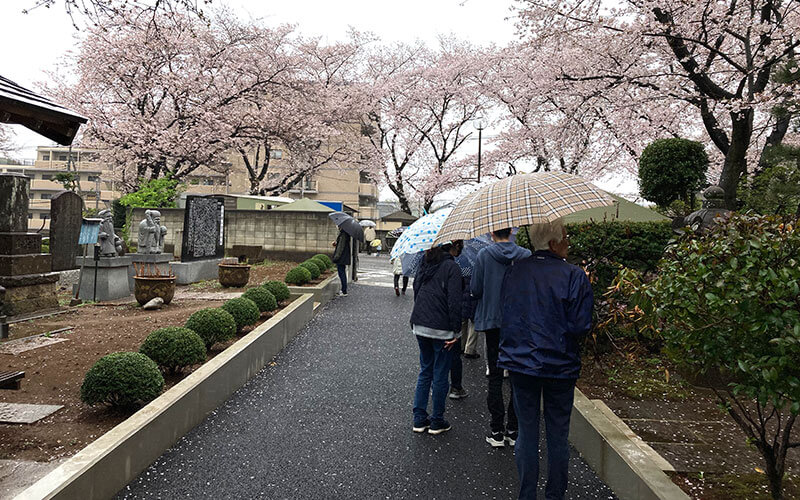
[32,43]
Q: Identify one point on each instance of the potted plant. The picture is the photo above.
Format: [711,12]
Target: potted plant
[233,274]
[149,283]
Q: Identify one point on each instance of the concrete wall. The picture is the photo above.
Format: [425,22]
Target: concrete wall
[275,233]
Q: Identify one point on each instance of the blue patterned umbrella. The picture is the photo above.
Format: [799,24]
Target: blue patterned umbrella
[420,235]
[412,261]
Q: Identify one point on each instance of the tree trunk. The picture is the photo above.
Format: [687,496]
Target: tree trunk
[735,166]
[774,476]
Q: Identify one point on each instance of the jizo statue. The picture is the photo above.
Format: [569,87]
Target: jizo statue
[110,243]
[151,233]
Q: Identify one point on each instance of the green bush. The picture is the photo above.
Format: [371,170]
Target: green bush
[298,276]
[174,348]
[244,311]
[262,297]
[324,258]
[313,268]
[727,303]
[212,325]
[323,266]
[278,289]
[122,379]
[607,247]
[672,169]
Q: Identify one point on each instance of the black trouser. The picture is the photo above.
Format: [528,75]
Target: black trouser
[397,281]
[494,399]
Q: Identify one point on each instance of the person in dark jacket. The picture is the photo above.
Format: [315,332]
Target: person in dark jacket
[547,311]
[457,390]
[342,257]
[436,322]
[486,285]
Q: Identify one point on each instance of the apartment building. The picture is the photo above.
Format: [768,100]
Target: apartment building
[99,186]
[342,184]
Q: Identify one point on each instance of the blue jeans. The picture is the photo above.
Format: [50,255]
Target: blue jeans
[434,367]
[557,395]
[342,276]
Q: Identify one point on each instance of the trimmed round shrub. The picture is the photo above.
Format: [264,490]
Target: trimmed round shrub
[324,258]
[213,325]
[298,276]
[244,311]
[278,289]
[174,348]
[323,266]
[122,379]
[262,297]
[313,268]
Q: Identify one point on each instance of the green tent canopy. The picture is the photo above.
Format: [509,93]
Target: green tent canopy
[304,205]
[622,210]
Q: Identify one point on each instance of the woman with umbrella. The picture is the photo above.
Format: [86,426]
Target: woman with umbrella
[343,256]
[436,323]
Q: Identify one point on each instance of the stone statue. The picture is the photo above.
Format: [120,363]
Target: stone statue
[151,233]
[110,243]
[705,219]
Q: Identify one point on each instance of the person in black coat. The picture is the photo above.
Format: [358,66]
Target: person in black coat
[436,323]
[342,257]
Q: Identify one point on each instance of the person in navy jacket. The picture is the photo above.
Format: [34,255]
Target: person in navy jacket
[547,311]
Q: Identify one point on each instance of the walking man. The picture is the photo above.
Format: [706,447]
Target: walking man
[486,285]
[547,311]
[341,257]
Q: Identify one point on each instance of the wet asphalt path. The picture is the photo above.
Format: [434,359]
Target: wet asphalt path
[331,419]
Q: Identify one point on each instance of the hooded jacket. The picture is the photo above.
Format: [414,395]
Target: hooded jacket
[487,281]
[437,296]
[547,307]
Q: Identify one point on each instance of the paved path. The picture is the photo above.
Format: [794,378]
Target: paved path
[331,419]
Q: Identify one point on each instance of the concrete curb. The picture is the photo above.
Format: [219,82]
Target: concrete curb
[629,471]
[323,292]
[105,466]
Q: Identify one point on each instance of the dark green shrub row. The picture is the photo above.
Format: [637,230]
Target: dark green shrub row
[298,276]
[244,311]
[606,247]
[313,268]
[122,379]
[324,258]
[213,325]
[262,297]
[323,266]
[278,289]
[174,348]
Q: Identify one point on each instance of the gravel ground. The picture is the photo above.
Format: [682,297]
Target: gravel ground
[331,418]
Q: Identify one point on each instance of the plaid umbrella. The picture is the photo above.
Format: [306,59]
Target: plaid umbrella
[520,200]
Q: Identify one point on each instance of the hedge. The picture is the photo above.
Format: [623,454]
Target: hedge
[325,258]
[313,268]
[174,348]
[262,297]
[298,276]
[244,311]
[122,379]
[278,289]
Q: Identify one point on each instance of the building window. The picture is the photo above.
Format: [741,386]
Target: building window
[43,216]
[45,156]
[62,157]
[30,216]
[47,196]
[47,177]
[363,178]
[273,176]
[276,153]
[93,178]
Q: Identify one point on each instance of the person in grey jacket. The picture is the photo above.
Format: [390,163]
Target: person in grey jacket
[487,283]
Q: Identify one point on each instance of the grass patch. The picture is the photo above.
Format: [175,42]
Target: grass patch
[647,378]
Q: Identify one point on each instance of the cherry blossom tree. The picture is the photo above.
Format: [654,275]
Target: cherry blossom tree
[423,104]
[6,140]
[653,65]
[96,11]
[159,97]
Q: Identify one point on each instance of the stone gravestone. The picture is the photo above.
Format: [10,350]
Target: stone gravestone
[24,269]
[66,209]
[203,229]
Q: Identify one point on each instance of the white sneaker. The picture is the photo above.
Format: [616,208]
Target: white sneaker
[341,294]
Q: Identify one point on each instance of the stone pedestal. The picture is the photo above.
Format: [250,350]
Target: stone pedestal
[151,263]
[24,269]
[112,278]
[196,270]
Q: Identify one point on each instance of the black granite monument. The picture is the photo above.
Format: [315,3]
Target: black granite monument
[66,210]
[203,229]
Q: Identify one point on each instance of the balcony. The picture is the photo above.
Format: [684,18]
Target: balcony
[305,187]
[367,189]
